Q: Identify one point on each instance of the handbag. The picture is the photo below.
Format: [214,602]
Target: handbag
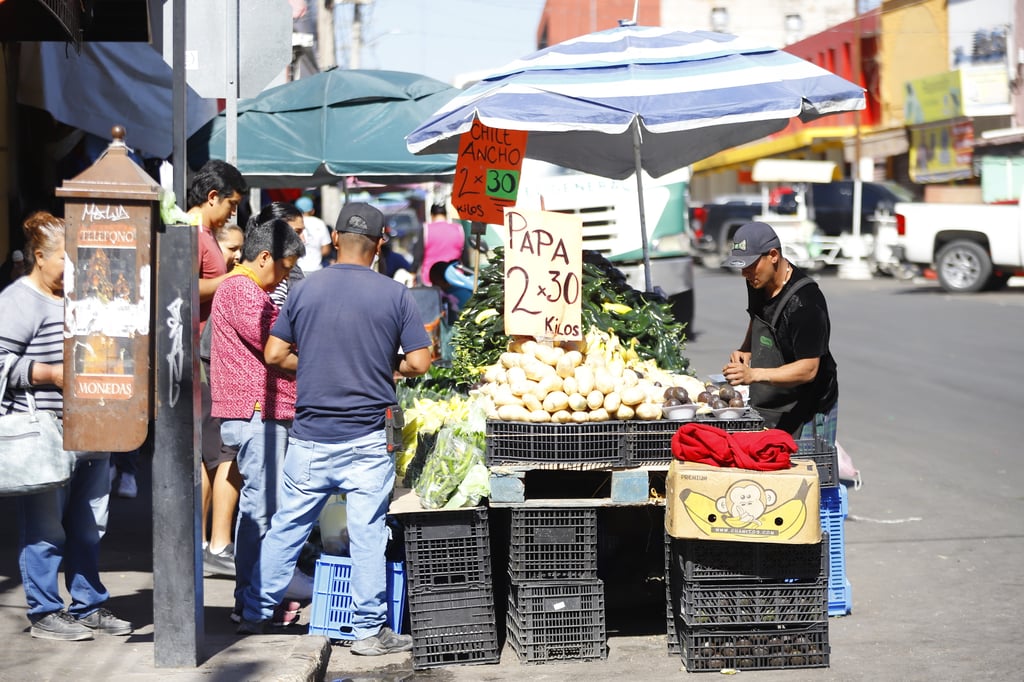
[32,454]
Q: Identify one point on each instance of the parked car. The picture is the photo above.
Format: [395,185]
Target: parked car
[971,246]
[830,207]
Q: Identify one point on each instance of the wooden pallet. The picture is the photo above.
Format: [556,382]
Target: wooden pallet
[523,485]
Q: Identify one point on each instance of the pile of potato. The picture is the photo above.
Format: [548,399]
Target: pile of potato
[575,383]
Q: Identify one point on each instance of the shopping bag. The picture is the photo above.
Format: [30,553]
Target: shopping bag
[32,455]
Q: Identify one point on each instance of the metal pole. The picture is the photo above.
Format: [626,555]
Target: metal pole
[179,94]
[178,625]
[856,267]
[330,195]
[231,100]
[357,35]
[640,199]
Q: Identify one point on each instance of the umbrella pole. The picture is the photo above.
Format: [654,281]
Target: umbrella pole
[640,197]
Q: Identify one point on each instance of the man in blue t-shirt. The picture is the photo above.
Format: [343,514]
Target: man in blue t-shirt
[341,331]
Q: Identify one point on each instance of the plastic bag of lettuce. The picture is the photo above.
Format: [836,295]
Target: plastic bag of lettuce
[455,474]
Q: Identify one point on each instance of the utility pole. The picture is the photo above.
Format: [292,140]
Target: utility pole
[856,267]
[330,196]
[325,35]
[357,33]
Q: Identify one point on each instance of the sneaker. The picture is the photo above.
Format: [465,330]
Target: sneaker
[251,627]
[286,613]
[384,642]
[104,621]
[62,626]
[236,615]
[220,563]
[128,487]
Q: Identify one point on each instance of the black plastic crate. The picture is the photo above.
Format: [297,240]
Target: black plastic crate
[650,442]
[824,456]
[711,650]
[564,446]
[671,626]
[447,549]
[453,627]
[715,604]
[553,544]
[704,561]
[557,621]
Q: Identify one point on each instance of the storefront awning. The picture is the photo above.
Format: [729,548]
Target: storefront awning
[774,147]
[108,84]
[878,144]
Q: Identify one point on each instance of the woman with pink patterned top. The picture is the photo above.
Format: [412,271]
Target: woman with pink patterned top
[254,402]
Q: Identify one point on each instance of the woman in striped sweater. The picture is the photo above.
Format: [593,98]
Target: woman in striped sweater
[65,523]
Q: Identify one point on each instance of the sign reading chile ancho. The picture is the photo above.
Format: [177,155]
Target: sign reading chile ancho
[543,274]
[487,172]
[106,304]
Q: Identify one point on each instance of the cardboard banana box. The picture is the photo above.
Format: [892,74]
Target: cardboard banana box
[705,502]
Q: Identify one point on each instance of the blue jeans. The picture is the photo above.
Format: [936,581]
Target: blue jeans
[364,471]
[261,450]
[825,423]
[65,523]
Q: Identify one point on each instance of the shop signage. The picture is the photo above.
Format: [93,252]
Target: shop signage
[543,274]
[487,172]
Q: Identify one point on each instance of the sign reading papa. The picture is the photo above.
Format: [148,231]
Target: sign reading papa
[543,274]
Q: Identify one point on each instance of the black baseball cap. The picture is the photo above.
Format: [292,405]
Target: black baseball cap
[752,241]
[359,218]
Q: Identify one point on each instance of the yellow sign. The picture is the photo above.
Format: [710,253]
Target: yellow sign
[933,98]
[942,152]
[487,172]
[543,274]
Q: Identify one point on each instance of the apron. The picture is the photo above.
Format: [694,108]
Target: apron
[770,401]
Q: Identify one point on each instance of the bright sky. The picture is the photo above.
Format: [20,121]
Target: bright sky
[443,38]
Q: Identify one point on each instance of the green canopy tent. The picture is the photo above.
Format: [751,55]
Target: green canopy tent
[335,124]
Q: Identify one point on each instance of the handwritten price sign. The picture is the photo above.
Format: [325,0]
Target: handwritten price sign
[543,274]
[487,173]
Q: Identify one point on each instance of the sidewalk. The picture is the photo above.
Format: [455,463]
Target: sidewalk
[126,570]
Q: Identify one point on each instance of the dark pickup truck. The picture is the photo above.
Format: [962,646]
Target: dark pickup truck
[831,208]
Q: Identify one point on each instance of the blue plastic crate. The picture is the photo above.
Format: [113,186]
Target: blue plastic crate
[834,509]
[331,613]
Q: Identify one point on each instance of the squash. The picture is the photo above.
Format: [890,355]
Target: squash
[513,413]
[648,411]
[555,401]
[634,395]
[577,402]
[584,379]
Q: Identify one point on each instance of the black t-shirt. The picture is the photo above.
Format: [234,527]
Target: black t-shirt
[802,332]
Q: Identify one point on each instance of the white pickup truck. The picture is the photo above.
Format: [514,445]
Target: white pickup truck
[971,246]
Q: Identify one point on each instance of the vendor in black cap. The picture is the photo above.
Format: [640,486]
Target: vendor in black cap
[784,357]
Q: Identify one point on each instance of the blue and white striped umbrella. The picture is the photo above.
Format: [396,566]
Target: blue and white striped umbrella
[612,102]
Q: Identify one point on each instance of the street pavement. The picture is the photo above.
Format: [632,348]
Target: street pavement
[930,411]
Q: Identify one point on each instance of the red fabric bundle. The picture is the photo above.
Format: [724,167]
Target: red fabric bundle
[759,450]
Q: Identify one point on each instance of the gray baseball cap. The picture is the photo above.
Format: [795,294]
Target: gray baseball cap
[359,218]
[752,241]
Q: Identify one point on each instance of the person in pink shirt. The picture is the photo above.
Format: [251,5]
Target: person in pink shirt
[442,242]
[254,402]
[214,195]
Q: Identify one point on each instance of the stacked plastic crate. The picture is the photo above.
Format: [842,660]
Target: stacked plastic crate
[748,606]
[833,514]
[332,609]
[451,593]
[556,604]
